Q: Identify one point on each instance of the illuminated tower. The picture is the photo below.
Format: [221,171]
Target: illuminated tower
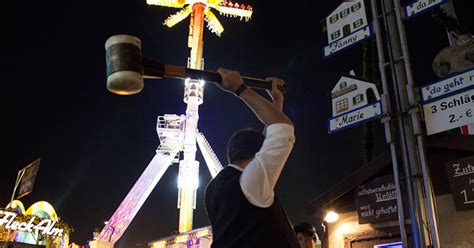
[200,11]
[178,133]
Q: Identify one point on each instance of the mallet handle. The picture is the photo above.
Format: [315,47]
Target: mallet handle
[215,77]
[154,69]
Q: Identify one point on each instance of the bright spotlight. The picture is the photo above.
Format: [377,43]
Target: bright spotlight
[331,217]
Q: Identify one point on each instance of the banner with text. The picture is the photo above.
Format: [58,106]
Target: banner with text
[28,179]
[376,200]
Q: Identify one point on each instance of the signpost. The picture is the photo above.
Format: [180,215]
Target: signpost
[461,180]
[449,103]
[376,200]
[421,6]
[346,26]
[354,101]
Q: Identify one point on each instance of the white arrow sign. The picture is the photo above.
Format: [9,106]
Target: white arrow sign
[450,112]
[418,7]
[447,86]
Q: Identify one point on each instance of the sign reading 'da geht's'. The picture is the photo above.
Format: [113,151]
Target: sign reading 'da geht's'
[44,227]
[376,200]
[420,6]
[446,86]
[449,112]
[461,181]
[354,101]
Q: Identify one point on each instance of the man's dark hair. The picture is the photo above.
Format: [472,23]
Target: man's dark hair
[244,144]
[306,228]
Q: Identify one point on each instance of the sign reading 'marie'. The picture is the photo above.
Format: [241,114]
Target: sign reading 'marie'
[354,101]
[44,227]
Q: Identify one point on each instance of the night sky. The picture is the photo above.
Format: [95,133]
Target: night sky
[94,145]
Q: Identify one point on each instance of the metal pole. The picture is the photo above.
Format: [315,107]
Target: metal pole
[19,176]
[415,117]
[387,121]
[413,205]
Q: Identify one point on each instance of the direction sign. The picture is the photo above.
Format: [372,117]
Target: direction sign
[354,101]
[346,26]
[420,6]
[446,86]
[449,112]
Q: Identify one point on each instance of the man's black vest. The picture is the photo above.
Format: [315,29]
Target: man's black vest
[237,223]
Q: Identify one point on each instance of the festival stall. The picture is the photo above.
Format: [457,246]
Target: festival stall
[38,226]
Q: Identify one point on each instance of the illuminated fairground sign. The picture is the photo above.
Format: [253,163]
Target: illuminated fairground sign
[44,227]
[38,225]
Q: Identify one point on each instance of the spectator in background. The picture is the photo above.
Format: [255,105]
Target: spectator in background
[306,235]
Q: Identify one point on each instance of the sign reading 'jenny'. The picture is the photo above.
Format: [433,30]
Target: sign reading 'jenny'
[346,26]
[354,101]
[376,200]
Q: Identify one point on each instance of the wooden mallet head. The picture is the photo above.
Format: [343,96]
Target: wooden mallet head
[124,64]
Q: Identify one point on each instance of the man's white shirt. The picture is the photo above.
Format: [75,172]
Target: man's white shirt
[260,176]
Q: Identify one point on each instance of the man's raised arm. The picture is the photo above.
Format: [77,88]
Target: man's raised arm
[265,111]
